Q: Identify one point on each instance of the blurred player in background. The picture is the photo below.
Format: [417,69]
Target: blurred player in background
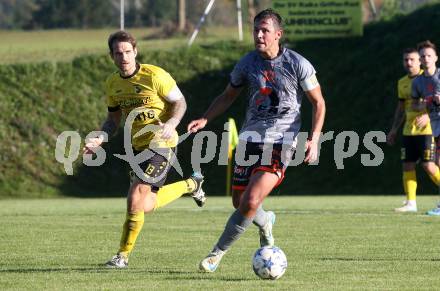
[153,94]
[426,92]
[417,141]
[277,79]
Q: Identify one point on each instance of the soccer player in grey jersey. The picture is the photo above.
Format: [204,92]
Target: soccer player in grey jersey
[426,87]
[277,79]
[275,90]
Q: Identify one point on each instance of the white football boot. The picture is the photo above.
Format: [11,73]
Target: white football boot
[211,262]
[118,262]
[408,206]
[198,194]
[266,236]
[434,212]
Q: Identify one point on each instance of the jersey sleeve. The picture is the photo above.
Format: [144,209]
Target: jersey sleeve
[163,82]
[174,95]
[305,70]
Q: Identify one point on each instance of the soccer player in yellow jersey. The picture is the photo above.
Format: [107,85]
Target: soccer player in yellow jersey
[418,143]
[151,94]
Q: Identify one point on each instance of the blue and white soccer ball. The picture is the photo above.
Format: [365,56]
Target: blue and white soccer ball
[269,263]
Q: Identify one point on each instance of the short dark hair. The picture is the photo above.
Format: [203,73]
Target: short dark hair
[120,36]
[409,50]
[270,13]
[426,44]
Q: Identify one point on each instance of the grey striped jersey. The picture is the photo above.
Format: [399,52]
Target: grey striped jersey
[274,95]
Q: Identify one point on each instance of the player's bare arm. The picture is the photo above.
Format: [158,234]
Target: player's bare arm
[419,104]
[399,118]
[178,109]
[422,120]
[317,100]
[220,104]
[110,127]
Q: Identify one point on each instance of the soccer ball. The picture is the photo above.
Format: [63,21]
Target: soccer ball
[269,263]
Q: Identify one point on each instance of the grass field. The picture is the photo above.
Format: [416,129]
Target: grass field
[332,243]
[64,45]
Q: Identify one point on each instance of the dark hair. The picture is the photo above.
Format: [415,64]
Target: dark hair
[409,50]
[120,36]
[426,44]
[270,13]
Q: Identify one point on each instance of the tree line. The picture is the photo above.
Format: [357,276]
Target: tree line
[50,14]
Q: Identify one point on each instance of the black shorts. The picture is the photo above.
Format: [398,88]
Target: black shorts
[275,162]
[418,147]
[155,168]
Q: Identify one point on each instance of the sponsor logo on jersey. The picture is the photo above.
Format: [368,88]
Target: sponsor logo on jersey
[137,89]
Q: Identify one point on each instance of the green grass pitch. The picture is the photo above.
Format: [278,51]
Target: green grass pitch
[331,243]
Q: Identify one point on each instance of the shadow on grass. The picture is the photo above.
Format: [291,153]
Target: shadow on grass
[96,269]
[210,277]
[174,274]
[53,270]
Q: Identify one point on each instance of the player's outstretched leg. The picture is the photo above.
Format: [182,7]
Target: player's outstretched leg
[234,228]
[130,231]
[434,173]
[198,194]
[170,192]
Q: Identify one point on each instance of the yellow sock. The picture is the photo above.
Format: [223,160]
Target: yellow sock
[131,229]
[436,177]
[410,184]
[171,192]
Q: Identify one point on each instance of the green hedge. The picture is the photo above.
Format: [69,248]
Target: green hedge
[358,77]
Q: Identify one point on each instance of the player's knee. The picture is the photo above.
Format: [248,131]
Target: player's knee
[144,189]
[250,204]
[137,196]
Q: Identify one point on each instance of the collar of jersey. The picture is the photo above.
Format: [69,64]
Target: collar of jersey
[138,66]
[275,59]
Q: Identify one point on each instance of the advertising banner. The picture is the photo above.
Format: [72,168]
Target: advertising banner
[320,18]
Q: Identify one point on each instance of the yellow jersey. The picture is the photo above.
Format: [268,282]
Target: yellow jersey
[404,94]
[145,92]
